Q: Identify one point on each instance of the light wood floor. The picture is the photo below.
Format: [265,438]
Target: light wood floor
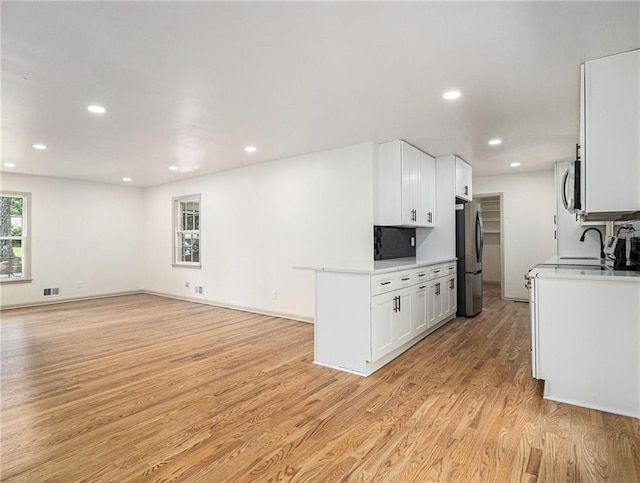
[143,388]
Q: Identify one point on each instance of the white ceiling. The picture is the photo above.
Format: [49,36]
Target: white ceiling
[190,84]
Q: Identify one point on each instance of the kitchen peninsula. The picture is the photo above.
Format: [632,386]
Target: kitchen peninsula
[368,313]
[585,335]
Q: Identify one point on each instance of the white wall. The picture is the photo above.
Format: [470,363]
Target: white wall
[80,232]
[259,221]
[528,206]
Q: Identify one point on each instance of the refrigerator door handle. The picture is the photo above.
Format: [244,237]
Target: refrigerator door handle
[479,237]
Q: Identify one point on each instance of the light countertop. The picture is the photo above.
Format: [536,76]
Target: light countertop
[374,267]
[581,268]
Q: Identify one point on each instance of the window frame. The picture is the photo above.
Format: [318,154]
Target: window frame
[178,231]
[25,237]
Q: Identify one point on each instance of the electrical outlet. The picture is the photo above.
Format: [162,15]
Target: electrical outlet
[186,284]
[51,292]
[79,284]
[274,295]
[199,289]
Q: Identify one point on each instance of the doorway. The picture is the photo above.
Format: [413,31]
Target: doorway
[493,251]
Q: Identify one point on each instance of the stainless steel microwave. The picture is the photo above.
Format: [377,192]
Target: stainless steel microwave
[571,185]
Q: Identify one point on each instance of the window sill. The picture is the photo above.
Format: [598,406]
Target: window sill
[184,265]
[15,280]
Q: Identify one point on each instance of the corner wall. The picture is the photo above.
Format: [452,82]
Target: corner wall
[258,222]
[81,232]
[528,207]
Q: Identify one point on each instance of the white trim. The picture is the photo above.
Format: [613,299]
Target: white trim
[64,301]
[15,280]
[26,237]
[281,315]
[175,203]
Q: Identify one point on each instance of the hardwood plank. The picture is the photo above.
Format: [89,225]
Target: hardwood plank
[144,388]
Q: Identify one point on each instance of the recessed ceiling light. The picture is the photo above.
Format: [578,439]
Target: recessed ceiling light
[126,179]
[173,168]
[449,95]
[514,165]
[9,165]
[96,109]
[495,142]
[39,147]
[250,149]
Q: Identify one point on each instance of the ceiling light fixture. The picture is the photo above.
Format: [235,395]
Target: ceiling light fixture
[9,165]
[173,168]
[39,147]
[126,180]
[450,95]
[96,109]
[250,149]
[495,142]
[514,165]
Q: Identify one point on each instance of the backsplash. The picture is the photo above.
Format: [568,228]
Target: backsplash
[392,242]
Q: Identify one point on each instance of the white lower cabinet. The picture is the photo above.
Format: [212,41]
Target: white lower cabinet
[452,295]
[443,299]
[390,321]
[364,321]
[420,308]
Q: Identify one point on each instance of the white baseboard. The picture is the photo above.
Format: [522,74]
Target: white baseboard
[253,310]
[66,300]
[282,315]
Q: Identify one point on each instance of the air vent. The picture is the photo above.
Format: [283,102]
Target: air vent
[51,292]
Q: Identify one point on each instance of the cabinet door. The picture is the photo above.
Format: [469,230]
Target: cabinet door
[427,209]
[452,302]
[402,318]
[612,151]
[410,184]
[436,308]
[420,309]
[383,308]
[464,188]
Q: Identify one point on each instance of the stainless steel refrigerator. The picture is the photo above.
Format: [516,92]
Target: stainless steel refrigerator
[469,244]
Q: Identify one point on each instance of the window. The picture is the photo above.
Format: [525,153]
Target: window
[186,222]
[14,237]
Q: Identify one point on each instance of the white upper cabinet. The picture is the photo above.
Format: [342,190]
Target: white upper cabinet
[611,143]
[464,182]
[405,188]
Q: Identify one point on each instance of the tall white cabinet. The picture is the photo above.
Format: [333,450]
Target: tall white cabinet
[610,123]
[405,193]
[452,175]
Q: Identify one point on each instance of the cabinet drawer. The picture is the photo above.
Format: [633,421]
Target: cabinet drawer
[449,268]
[383,283]
[421,275]
[435,272]
[405,279]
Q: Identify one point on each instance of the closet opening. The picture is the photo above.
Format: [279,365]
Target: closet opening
[493,251]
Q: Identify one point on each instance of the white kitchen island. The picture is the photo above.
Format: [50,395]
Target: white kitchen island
[368,313]
[585,336]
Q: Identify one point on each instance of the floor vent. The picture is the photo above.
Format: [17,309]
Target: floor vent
[51,292]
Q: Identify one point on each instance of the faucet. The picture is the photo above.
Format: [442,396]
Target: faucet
[601,240]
